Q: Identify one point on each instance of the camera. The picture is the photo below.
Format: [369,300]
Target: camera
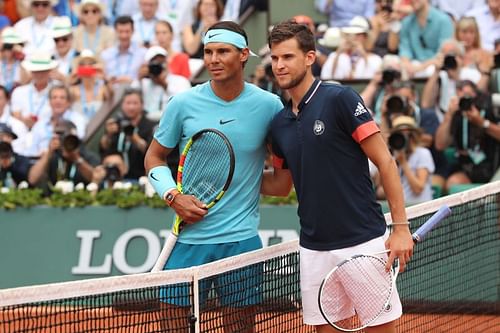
[112,173]
[465,103]
[127,127]
[450,62]
[389,75]
[6,149]
[155,69]
[396,104]
[70,142]
[398,141]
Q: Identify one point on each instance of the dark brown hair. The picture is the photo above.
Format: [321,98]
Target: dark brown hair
[218,4]
[291,29]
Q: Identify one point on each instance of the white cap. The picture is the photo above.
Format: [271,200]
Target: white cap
[331,38]
[357,25]
[154,51]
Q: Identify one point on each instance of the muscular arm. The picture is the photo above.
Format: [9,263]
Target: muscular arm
[277,182]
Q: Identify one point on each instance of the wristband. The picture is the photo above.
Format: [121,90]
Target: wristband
[161,179]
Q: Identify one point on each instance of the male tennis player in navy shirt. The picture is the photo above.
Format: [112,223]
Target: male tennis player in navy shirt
[324,137]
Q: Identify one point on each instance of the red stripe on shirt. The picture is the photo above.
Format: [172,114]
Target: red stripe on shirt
[278,162]
[365,130]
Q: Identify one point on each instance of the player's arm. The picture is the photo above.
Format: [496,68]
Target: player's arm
[400,241]
[276,182]
[187,207]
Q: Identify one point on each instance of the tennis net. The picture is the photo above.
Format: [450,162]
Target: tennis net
[452,284]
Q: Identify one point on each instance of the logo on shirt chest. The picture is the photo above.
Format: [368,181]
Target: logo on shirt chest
[319,127]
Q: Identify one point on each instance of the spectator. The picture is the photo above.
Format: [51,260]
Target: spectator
[471,127]
[65,54]
[145,21]
[179,14]
[11,55]
[178,62]
[92,33]
[488,19]
[207,13]
[467,32]
[421,36]
[130,134]
[440,87]
[157,84]
[381,22]
[352,60]
[457,9]
[69,9]
[4,19]
[18,128]
[10,9]
[90,90]
[341,12]
[37,27]
[123,60]
[29,101]
[415,163]
[65,159]
[14,168]
[235,9]
[111,170]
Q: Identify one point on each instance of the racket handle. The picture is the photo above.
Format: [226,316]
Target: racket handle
[434,220]
[165,252]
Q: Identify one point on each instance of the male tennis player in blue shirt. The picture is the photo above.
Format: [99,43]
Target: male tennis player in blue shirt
[243,113]
[324,136]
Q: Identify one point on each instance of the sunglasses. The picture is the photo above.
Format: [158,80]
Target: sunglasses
[40,4]
[61,39]
[93,11]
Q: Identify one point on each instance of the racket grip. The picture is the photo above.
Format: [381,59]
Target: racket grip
[165,252]
[434,220]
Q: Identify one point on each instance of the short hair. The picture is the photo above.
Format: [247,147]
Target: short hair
[133,91]
[63,88]
[231,26]
[165,23]
[291,29]
[125,19]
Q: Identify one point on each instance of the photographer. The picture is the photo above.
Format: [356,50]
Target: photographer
[129,134]
[65,159]
[472,128]
[111,170]
[415,163]
[13,167]
[157,84]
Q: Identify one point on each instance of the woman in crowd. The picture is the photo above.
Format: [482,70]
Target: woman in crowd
[178,62]
[467,33]
[11,54]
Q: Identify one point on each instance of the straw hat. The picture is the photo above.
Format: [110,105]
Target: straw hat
[404,122]
[154,51]
[96,3]
[357,25]
[10,36]
[331,38]
[39,61]
[61,26]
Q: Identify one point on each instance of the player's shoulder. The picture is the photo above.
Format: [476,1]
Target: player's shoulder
[336,90]
[257,91]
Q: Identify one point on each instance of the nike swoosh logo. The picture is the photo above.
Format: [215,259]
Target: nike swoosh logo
[153,176]
[222,122]
[211,36]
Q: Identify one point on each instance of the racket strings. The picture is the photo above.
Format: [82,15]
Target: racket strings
[206,167]
[357,292]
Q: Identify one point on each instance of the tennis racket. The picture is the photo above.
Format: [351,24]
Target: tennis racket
[206,168]
[366,282]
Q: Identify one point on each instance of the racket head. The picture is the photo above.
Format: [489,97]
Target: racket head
[206,166]
[356,292]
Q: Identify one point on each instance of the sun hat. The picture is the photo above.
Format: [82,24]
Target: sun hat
[404,122]
[357,25]
[61,26]
[96,3]
[331,38]
[10,36]
[52,2]
[39,61]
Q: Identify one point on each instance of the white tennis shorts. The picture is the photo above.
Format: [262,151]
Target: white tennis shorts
[315,265]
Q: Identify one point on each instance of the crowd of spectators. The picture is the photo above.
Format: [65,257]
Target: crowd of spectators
[430,67]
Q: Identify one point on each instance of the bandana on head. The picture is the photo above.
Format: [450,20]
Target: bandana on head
[226,36]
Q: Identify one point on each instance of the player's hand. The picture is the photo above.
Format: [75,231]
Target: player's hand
[189,208]
[401,244]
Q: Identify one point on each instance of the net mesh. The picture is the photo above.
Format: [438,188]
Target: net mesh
[452,284]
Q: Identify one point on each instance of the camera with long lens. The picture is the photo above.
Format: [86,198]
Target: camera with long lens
[70,142]
[390,75]
[450,62]
[396,104]
[112,173]
[155,69]
[465,103]
[398,141]
[127,127]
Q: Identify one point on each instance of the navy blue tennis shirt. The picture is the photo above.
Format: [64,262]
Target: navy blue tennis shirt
[321,147]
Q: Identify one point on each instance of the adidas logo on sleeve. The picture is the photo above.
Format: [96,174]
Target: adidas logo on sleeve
[360,109]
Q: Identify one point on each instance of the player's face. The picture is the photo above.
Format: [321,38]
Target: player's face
[289,63]
[224,61]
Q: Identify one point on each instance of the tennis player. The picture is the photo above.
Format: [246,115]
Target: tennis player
[324,136]
[243,112]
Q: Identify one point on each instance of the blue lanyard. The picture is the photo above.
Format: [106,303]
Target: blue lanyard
[88,111]
[122,71]
[95,44]
[40,106]
[8,76]
[33,35]
[70,61]
[141,31]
